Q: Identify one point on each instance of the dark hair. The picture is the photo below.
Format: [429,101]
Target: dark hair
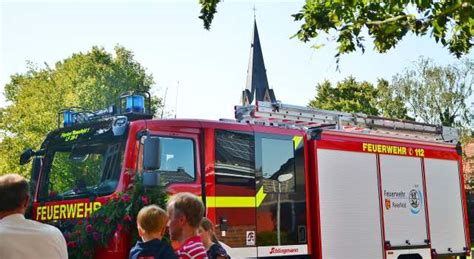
[13,192]
[207,225]
[190,206]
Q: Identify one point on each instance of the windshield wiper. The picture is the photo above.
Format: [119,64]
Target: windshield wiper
[81,193]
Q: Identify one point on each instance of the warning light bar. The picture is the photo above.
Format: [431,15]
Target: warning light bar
[134,105]
[67,117]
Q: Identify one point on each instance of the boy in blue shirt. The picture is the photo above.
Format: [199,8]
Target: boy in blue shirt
[151,223]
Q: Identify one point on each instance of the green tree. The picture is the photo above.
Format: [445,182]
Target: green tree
[360,97]
[388,103]
[348,96]
[92,80]
[436,94]
[449,22]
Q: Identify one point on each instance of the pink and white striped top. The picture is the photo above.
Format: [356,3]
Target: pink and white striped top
[192,249]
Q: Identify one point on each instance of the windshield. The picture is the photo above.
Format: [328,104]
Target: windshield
[82,169]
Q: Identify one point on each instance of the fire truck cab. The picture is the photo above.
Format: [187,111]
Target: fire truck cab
[279,181]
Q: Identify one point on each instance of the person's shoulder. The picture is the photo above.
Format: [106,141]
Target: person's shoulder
[44,227]
[167,251]
[135,249]
[192,248]
[48,231]
[217,250]
[193,244]
[39,226]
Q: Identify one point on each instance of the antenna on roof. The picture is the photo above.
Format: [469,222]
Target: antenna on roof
[164,103]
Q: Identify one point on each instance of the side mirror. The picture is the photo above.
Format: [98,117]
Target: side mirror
[25,157]
[150,179]
[151,154]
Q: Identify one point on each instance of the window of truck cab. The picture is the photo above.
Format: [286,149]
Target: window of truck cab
[78,169]
[275,157]
[177,159]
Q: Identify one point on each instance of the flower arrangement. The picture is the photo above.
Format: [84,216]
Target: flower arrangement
[118,214]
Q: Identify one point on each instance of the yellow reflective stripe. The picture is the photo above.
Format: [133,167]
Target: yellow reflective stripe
[230,202]
[236,201]
[297,141]
[260,196]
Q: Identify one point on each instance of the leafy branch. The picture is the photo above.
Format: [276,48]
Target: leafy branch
[450,22]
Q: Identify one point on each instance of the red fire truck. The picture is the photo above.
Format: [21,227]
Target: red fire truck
[279,181]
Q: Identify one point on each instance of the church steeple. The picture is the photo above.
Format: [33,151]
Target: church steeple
[257,83]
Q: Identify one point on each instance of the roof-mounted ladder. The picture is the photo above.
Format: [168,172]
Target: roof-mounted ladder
[292,116]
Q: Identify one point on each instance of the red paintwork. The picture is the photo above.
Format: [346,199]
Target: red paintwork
[236,191]
[202,132]
[425,194]
[382,217]
[463,195]
[313,198]
[239,216]
[353,142]
[118,247]
[307,180]
[209,169]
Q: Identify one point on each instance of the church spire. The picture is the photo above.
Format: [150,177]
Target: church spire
[257,83]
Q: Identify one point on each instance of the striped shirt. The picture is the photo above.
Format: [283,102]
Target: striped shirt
[192,249]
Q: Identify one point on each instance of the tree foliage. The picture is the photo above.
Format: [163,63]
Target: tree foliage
[451,23]
[436,94]
[359,97]
[389,104]
[92,80]
[426,93]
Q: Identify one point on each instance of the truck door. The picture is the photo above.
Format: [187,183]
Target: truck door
[348,196]
[281,195]
[234,192]
[403,197]
[180,161]
[448,227]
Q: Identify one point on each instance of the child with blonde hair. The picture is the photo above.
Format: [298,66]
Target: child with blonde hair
[151,224]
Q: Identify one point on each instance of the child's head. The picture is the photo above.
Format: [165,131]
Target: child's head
[151,220]
[206,231]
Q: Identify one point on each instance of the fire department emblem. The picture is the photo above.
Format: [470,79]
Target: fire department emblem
[415,199]
[387,204]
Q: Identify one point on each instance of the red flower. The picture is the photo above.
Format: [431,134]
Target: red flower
[126,197]
[145,200]
[89,228]
[71,244]
[127,218]
[95,236]
[80,222]
[114,197]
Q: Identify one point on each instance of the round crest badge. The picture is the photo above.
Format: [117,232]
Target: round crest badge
[415,199]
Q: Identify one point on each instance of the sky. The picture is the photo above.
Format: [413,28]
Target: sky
[201,73]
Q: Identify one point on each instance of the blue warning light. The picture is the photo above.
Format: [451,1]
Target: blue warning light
[68,118]
[135,103]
